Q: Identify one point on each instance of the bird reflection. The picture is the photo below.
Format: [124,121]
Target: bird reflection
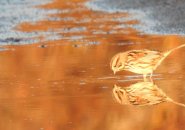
[141,94]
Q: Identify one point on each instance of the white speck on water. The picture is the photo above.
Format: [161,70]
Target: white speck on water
[82,82]
[55,83]
[111,77]
[104,87]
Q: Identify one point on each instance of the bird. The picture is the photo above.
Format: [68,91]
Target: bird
[139,61]
[141,94]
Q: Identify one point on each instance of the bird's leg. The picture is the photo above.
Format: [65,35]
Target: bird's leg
[144,77]
[151,74]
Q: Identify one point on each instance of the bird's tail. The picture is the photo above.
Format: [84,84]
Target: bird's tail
[177,103]
[170,51]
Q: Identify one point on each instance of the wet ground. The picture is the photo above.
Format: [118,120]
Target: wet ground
[66,83]
[155,16]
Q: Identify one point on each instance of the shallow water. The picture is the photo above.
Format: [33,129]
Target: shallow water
[67,84]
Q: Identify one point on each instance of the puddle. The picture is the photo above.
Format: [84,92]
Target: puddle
[65,81]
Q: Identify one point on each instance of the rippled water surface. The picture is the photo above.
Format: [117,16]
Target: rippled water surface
[66,83]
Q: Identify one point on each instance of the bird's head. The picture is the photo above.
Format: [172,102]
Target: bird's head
[119,94]
[118,62]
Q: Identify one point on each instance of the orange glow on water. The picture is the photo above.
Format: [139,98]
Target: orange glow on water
[67,85]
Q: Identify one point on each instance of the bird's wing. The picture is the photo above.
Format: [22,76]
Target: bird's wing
[144,56]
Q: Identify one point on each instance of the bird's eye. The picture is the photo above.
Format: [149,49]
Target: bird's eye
[119,65]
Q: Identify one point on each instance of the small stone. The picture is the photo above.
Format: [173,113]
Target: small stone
[43,46]
[75,45]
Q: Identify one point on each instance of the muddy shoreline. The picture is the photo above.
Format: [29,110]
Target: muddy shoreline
[147,17]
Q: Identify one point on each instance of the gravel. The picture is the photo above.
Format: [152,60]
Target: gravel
[155,16]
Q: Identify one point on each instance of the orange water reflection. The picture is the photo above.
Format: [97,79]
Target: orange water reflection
[68,85]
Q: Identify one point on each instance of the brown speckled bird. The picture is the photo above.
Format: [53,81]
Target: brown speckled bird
[139,61]
[141,94]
